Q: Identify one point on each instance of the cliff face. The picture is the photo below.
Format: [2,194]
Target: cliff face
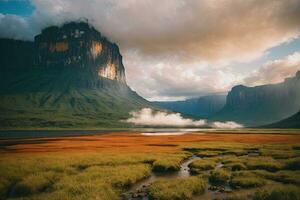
[69,77]
[77,45]
[204,106]
[262,104]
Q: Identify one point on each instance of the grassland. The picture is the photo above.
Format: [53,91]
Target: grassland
[105,166]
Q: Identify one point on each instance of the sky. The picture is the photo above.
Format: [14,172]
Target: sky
[179,49]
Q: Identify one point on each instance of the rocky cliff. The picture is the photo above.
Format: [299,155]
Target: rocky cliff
[204,106]
[78,45]
[74,45]
[262,104]
[68,77]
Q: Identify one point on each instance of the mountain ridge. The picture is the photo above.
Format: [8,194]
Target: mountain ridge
[259,105]
[65,79]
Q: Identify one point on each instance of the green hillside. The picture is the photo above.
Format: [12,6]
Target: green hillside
[68,99]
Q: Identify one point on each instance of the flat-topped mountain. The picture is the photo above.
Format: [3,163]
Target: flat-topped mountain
[79,45]
[263,104]
[69,76]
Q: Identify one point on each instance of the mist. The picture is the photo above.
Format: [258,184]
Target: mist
[149,117]
[227,125]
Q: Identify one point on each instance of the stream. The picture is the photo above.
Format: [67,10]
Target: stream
[139,190]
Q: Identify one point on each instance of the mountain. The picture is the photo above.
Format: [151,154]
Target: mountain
[259,105]
[204,106]
[290,122]
[68,77]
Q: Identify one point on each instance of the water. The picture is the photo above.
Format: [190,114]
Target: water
[138,190]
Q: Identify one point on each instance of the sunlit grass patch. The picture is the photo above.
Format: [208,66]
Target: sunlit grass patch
[246,179]
[209,153]
[279,153]
[34,183]
[265,163]
[287,177]
[284,193]
[219,177]
[169,163]
[177,189]
[203,164]
[121,176]
[237,152]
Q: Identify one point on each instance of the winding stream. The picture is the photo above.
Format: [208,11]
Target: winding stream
[138,190]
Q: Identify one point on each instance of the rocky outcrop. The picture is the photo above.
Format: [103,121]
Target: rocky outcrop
[262,104]
[78,45]
[75,45]
[69,77]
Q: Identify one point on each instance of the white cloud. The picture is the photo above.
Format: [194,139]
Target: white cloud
[275,71]
[174,49]
[226,125]
[147,116]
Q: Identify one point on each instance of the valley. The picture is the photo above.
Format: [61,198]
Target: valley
[195,165]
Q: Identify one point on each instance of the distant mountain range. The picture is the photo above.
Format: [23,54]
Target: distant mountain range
[69,77]
[260,105]
[203,107]
[250,106]
[290,122]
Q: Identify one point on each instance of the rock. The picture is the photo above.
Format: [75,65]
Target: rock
[78,45]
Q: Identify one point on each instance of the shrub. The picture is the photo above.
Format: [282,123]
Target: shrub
[34,183]
[266,163]
[166,165]
[209,153]
[285,193]
[203,164]
[237,166]
[236,152]
[293,164]
[288,177]
[219,177]
[177,189]
[246,180]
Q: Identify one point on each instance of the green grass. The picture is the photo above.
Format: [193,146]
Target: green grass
[79,176]
[219,177]
[286,176]
[246,180]
[292,164]
[65,99]
[285,193]
[203,164]
[177,189]
[209,153]
[265,163]
[169,163]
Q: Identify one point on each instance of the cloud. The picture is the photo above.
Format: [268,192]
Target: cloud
[147,116]
[226,125]
[207,29]
[174,49]
[275,71]
[13,26]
